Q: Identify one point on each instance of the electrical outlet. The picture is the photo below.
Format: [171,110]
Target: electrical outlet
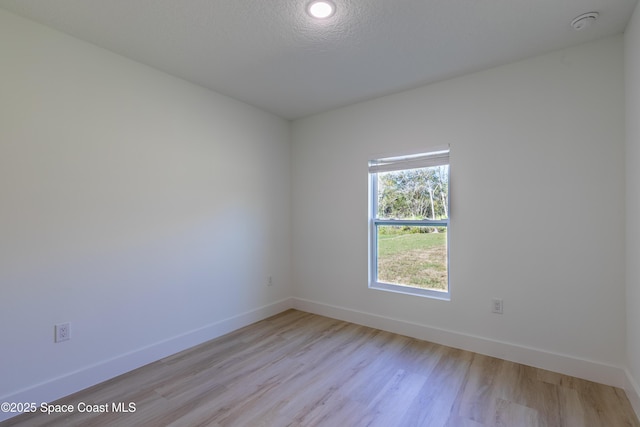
[496,306]
[63,332]
[270,281]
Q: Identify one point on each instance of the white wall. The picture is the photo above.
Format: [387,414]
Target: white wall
[145,210]
[632,156]
[537,187]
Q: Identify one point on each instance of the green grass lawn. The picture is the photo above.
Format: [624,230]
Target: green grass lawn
[413,259]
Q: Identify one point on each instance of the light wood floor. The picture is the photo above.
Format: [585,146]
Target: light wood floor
[299,369]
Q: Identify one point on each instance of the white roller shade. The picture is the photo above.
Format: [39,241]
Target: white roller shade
[415,161]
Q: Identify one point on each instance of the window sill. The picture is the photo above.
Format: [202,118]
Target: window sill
[408,290]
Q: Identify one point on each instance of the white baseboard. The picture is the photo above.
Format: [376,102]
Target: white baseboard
[633,392]
[564,364]
[72,382]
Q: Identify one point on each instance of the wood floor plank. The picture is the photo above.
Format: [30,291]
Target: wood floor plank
[510,414]
[571,408]
[394,399]
[434,405]
[299,369]
[476,402]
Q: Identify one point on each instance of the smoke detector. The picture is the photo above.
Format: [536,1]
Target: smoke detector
[585,20]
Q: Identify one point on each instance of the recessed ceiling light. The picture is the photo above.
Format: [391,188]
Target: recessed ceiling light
[321,9]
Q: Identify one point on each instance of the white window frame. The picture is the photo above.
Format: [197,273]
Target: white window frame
[435,157]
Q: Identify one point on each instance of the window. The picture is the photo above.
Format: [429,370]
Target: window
[409,224]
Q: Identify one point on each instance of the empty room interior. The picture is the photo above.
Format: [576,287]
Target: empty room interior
[198,223]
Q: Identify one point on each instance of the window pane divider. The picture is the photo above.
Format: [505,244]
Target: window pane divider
[419,222]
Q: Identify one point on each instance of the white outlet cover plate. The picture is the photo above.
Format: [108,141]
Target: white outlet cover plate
[497,306]
[63,332]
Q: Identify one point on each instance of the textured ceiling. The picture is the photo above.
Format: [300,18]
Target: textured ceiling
[270,54]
